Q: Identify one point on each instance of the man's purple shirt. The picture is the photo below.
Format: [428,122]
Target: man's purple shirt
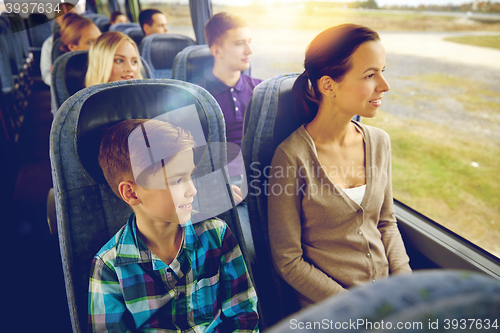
[233,102]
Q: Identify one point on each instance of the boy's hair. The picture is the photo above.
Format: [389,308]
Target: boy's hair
[71,29]
[101,56]
[114,155]
[219,24]
[146,17]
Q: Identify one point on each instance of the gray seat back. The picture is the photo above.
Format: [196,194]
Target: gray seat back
[88,212]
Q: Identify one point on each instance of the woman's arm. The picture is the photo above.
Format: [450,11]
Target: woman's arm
[391,237]
[285,230]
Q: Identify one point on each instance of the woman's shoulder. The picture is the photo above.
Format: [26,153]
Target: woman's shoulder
[376,135]
[297,141]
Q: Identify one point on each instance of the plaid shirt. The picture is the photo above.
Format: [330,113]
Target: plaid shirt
[205,289]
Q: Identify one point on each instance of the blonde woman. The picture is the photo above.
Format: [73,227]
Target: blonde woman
[114,57]
[77,33]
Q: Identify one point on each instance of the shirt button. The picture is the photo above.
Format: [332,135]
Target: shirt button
[369,255]
[360,233]
[236,108]
[232,89]
[360,211]
[374,280]
[234,99]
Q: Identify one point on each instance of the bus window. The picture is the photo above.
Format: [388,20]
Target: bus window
[443,109]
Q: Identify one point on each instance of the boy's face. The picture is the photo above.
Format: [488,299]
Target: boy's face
[234,51]
[172,203]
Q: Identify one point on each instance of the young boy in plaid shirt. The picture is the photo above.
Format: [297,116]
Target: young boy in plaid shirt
[161,272]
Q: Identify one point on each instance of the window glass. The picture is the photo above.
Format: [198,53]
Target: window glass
[443,109]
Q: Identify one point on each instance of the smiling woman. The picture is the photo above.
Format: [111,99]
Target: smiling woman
[114,57]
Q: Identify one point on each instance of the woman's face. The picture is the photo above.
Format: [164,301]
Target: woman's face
[89,36]
[125,62]
[121,19]
[362,89]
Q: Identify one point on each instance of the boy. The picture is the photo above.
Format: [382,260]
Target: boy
[228,37]
[160,271]
[153,21]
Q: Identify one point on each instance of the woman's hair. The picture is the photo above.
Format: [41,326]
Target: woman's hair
[71,29]
[101,57]
[328,54]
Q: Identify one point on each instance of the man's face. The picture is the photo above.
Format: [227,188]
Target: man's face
[159,25]
[234,50]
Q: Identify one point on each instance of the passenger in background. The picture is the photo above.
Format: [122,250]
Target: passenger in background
[332,224]
[116,17]
[228,37]
[153,21]
[78,33]
[46,53]
[113,57]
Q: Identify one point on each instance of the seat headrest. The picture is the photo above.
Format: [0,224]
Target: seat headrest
[76,69]
[286,122]
[164,48]
[109,107]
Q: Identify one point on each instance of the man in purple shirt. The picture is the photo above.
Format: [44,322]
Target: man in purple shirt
[228,37]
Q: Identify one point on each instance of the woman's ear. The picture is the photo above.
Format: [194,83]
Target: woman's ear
[327,86]
[73,47]
[127,192]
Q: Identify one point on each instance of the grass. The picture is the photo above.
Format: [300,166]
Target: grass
[434,172]
[484,41]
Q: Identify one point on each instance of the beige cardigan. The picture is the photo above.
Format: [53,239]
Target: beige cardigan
[321,241]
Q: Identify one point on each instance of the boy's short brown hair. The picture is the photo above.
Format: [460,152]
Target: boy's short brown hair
[115,155]
[216,27]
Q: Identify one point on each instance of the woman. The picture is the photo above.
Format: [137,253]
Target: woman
[114,57]
[77,33]
[333,226]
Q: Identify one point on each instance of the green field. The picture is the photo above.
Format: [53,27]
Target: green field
[445,173]
[484,41]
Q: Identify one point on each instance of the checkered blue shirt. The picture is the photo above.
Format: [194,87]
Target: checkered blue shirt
[205,289]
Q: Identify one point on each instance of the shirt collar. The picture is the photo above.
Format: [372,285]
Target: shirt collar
[132,250]
[220,86]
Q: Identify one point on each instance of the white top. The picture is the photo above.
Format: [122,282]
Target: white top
[46,60]
[356,193]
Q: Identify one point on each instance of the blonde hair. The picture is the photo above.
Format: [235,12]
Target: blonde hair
[71,29]
[101,56]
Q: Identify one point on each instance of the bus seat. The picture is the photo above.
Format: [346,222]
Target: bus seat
[68,76]
[159,51]
[88,212]
[121,27]
[39,30]
[101,22]
[56,48]
[422,301]
[268,121]
[136,34]
[191,63]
